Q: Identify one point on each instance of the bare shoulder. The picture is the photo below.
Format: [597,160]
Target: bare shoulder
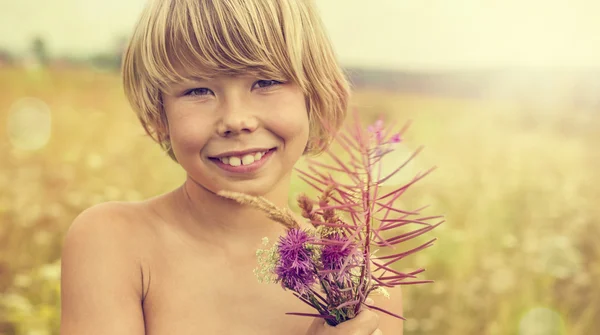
[110,217]
[102,277]
[108,228]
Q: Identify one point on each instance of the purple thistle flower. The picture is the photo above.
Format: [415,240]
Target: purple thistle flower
[334,254]
[295,270]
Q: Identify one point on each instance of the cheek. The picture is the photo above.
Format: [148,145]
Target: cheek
[291,126]
[290,121]
[188,134]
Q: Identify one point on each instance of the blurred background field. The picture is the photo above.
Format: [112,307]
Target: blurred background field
[509,113]
[518,185]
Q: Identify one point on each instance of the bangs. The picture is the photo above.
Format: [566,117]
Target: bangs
[202,38]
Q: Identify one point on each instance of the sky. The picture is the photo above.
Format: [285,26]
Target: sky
[393,34]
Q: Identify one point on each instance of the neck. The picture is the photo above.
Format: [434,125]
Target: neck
[208,216]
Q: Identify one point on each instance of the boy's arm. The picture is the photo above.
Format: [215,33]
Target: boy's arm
[101,285]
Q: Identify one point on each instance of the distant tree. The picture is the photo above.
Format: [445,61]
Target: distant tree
[6,58]
[110,60]
[119,48]
[40,51]
[105,61]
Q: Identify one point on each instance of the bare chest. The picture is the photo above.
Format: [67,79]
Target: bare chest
[213,294]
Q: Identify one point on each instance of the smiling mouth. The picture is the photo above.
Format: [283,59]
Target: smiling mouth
[242,160]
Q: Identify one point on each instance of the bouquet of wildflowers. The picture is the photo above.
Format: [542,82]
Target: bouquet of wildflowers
[333,267]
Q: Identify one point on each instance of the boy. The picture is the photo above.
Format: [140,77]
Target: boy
[235,91]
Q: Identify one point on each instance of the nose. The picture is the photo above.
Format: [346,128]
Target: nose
[236,119]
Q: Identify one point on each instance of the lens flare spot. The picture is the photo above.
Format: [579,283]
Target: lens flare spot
[29,124]
[541,321]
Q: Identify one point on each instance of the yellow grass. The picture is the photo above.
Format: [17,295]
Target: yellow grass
[518,184]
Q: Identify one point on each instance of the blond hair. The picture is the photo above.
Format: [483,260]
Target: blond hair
[276,39]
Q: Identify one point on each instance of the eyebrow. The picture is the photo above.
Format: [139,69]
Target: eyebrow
[186,81]
[197,78]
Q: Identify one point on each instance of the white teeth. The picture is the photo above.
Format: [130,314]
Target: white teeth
[235,161]
[248,159]
[245,160]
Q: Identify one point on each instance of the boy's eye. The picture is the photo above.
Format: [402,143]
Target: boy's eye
[198,91]
[266,83]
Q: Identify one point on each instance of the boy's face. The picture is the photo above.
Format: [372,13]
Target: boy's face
[239,133]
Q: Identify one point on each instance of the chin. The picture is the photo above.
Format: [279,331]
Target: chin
[256,187]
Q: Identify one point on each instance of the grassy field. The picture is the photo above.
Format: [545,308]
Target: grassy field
[518,183]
